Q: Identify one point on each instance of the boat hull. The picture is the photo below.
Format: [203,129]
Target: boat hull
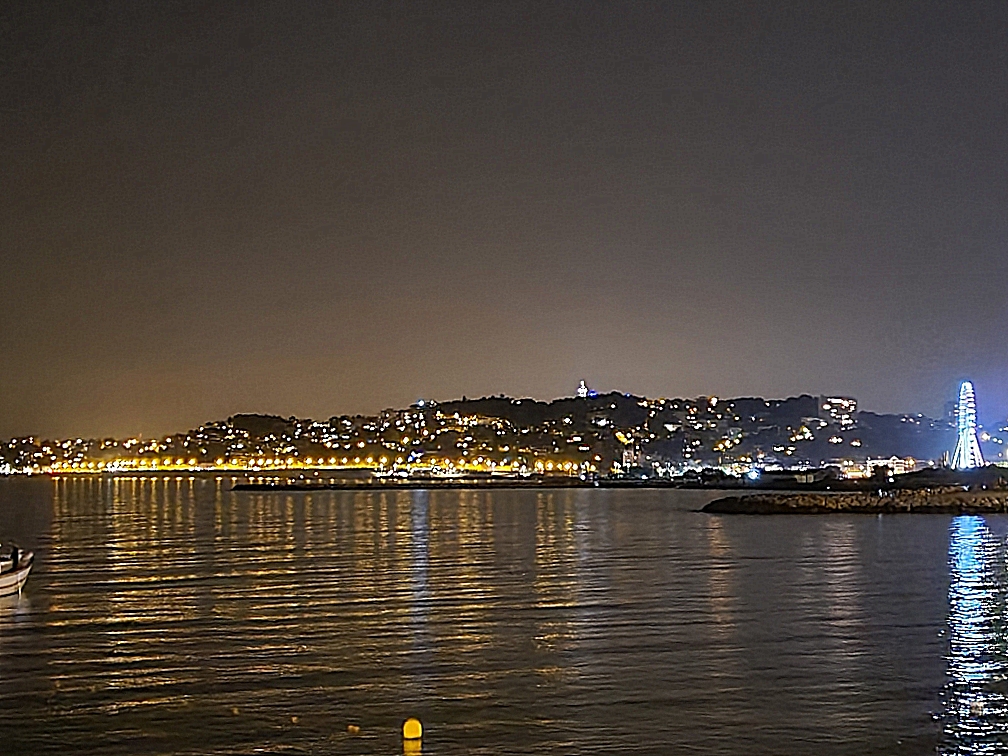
[12,582]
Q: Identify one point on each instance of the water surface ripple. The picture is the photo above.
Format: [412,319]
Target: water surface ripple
[173,615]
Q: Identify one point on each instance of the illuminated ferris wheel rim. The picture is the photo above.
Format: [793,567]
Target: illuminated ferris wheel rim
[967,451]
[966,415]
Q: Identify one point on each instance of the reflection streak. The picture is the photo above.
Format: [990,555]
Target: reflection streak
[975,715]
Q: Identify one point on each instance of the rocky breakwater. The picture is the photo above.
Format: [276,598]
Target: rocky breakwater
[955,500]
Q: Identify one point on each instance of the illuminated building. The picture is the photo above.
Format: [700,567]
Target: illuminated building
[631,457]
[967,453]
[838,410]
[583,392]
[896,465]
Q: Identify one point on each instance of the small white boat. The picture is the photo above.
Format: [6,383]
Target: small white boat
[14,568]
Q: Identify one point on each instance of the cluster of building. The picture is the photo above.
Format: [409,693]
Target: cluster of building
[589,434]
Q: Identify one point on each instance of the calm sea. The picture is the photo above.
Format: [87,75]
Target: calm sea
[173,615]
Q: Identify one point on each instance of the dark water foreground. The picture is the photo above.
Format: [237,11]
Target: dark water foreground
[176,616]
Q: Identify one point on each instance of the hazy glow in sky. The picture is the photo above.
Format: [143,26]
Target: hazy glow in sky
[319,209]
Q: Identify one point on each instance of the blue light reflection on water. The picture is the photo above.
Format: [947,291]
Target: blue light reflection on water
[181,617]
[976,715]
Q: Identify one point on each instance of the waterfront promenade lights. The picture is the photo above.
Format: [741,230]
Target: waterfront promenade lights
[967,452]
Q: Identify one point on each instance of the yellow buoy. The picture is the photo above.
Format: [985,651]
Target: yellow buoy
[412,729]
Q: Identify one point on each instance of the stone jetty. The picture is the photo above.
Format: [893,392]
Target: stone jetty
[954,499]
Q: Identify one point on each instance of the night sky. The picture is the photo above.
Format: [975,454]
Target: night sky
[318,209]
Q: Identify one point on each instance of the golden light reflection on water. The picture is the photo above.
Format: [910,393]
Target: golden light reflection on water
[175,615]
[721,586]
[556,574]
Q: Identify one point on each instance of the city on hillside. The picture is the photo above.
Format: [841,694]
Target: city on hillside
[586,435]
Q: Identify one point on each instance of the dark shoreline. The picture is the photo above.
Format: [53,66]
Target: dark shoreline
[474,484]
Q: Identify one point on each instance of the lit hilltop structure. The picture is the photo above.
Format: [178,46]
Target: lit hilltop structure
[967,453]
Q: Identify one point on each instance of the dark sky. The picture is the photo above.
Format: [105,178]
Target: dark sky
[315,209]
